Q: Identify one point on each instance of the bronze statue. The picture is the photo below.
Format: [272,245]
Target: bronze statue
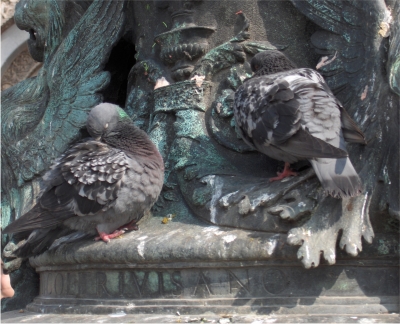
[201,52]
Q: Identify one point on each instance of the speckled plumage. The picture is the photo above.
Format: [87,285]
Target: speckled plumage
[98,185]
[292,115]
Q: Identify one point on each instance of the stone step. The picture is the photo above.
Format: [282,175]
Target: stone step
[24,316]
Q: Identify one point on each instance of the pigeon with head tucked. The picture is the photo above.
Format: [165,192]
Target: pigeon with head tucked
[291,114]
[102,185]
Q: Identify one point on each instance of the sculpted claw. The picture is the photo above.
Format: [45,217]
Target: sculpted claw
[317,239]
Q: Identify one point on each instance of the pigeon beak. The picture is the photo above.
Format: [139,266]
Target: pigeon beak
[97,138]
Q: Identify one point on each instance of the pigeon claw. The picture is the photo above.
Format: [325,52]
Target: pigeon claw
[132,226]
[287,172]
[108,237]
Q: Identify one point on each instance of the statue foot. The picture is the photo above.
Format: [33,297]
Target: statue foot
[318,236]
[8,252]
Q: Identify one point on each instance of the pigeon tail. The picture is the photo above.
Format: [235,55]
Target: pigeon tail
[338,177]
[73,237]
[36,218]
[39,241]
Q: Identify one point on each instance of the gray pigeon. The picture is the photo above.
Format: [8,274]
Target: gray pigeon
[291,114]
[102,185]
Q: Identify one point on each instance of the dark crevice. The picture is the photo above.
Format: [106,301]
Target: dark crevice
[121,60]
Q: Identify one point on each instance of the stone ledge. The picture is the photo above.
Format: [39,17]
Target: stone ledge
[193,268]
[172,246]
[243,306]
[29,317]
[176,241]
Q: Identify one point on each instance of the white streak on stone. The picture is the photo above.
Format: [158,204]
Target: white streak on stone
[271,245]
[117,314]
[224,200]
[385,24]
[172,233]
[216,184]
[307,250]
[259,201]
[364,207]
[229,238]
[366,321]
[213,230]
[140,248]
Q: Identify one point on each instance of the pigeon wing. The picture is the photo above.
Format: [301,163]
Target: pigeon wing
[322,109]
[321,94]
[265,110]
[93,174]
[271,113]
[306,146]
[84,181]
[351,132]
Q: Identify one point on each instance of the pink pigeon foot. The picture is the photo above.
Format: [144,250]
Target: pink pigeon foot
[130,226]
[108,237]
[287,172]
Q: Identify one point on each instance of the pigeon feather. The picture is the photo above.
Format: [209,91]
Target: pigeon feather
[98,185]
[291,114]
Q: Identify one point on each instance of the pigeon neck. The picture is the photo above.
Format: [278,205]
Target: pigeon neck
[274,65]
[272,70]
[132,139]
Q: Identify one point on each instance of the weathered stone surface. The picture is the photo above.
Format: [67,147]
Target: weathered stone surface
[122,317]
[192,268]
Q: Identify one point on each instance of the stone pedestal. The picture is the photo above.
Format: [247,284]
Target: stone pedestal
[198,268]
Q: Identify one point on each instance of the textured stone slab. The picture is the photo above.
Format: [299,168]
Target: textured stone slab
[199,243]
[236,287]
[175,241]
[29,317]
[198,268]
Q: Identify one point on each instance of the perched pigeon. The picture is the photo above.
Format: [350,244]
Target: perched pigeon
[291,114]
[102,185]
